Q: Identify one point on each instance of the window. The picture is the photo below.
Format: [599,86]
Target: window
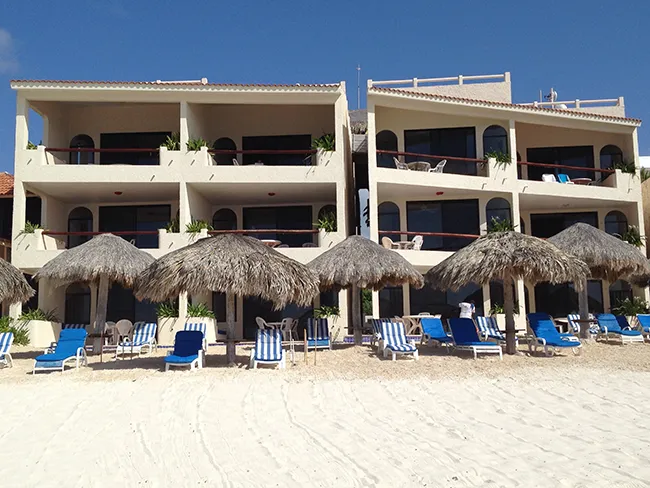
[547,225]
[133,140]
[609,156]
[224,219]
[275,144]
[497,296]
[388,220]
[619,291]
[123,305]
[445,302]
[386,141]
[136,218]
[448,216]
[577,156]
[495,138]
[446,143]
[80,219]
[561,300]
[326,210]
[498,210]
[85,142]
[293,218]
[225,144]
[77,304]
[616,223]
[391,302]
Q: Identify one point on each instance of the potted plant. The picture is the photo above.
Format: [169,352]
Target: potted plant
[625,166]
[630,308]
[632,236]
[327,312]
[198,227]
[173,142]
[497,311]
[42,327]
[500,225]
[325,145]
[196,144]
[498,159]
[19,330]
[326,223]
[167,313]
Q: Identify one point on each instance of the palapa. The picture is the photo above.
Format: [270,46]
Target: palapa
[232,264]
[507,256]
[102,260]
[13,286]
[608,258]
[358,262]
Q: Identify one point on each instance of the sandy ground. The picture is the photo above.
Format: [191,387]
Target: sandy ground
[351,420]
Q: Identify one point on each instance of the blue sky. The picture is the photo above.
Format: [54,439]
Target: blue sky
[584,48]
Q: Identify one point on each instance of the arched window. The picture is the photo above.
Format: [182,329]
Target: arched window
[389,220]
[80,219]
[77,304]
[386,141]
[619,291]
[609,156]
[225,144]
[82,141]
[615,223]
[224,219]
[495,138]
[327,211]
[498,210]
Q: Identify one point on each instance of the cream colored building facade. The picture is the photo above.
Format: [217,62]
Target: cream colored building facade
[407,118]
[90,190]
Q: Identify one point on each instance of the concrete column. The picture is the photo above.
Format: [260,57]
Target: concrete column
[184,125]
[184,211]
[182,306]
[406,299]
[482,214]
[22,124]
[487,301]
[515,211]
[375,304]
[19,211]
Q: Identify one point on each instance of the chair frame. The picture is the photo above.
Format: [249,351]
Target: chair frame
[488,348]
[151,344]
[194,365]
[80,359]
[5,357]
[624,339]
[385,349]
[281,363]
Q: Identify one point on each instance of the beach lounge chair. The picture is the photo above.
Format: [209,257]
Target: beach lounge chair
[6,340]
[434,333]
[564,178]
[318,334]
[488,330]
[644,323]
[268,349]
[376,331]
[188,350]
[393,340]
[144,337]
[73,326]
[549,178]
[465,335]
[544,334]
[202,327]
[573,325]
[609,327]
[70,347]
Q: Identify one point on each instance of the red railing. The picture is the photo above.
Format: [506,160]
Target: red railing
[100,150]
[432,234]
[264,231]
[90,234]
[564,166]
[432,156]
[262,151]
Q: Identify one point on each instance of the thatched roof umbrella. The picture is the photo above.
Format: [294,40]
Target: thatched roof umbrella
[358,262]
[232,264]
[13,286]
[507,256]
[102,260]
[608,257]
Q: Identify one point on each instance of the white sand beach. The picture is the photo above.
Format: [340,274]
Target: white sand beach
[351,420]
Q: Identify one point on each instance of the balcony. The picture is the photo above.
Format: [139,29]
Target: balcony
[430,163]
[437,246]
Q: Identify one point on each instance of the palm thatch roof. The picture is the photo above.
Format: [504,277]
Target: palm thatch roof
[13,286]
[501,255]
[105,254]
[233,264]
[608,257]
[360,262]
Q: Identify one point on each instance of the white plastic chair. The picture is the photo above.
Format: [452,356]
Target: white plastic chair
[439,167]
[400,165]
[388,243]
[261,323]
[417,242]
[549,178]
[235,162]
[286,326]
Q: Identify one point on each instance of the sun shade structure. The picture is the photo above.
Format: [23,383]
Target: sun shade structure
[358,262]
[232,264]
[507,256]
[608,258]
[103,260]
[13,286]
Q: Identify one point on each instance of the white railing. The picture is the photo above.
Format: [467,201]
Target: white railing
[451,80]
[577,103]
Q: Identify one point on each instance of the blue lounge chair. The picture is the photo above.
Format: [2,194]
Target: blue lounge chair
[70,347]
[268,349]
[188,350]
[543,333]
[609,326]
[393,340]
[574,326]
[318,334]
[644,323]
[564,178]
[201,327]
[433,332]
[73,326]
[6,340]
[144,337]
[466,338]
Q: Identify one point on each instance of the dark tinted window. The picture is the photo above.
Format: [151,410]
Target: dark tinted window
[277,143]
[449,216]
[77,304]
[122,304]
[224,219]
[225,144]
[132,140]
[459,142]
[386,141]
[610,155]
[578,156]
[292,218]
[498,209]
[391,301]
[219,306]
[389,219]
[547,225]
[616,223]
[132,218]
[495,138]
[445,302]
[618,292]
[79,157]
[80,219]
[560,300]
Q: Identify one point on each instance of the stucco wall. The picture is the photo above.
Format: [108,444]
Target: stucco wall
[499,92]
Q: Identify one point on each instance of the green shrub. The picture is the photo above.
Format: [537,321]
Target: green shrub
[632,307]
[38,314]
[196,144]
[167,310]
[197,226]
[503,159]
[500,225]
[625,167]
[29,228]
[324,311]
[327,222]
[326,142]
[173,142]
[633,236]
[20,330]
[173,225]
[199,310]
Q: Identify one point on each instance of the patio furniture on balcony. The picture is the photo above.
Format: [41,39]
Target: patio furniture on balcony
[388,243]
[582,181]
[564,178]
[417,242]
[419,166]
[400,165]
[549,178]
[439,167]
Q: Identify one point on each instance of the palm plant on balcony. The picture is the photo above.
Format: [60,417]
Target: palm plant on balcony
[29,228]
[195,144]
[632,236]
[500,159]
[327,222]
[173,142]
[323,144]
[31,145]
[500,225]
[196,226]
[625,167]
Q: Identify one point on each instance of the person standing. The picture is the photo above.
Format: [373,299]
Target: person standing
[467,310]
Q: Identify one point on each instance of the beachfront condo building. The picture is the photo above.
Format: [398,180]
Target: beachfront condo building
[162,163]
[450,159]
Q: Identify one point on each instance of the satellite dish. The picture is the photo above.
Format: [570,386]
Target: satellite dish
[562,106]
[552,96]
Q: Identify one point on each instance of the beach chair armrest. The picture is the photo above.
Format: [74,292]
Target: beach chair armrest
[603,328]
[541,340]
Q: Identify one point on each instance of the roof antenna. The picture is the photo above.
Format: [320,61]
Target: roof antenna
[358,86]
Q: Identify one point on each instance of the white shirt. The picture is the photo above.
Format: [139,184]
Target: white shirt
[466,310]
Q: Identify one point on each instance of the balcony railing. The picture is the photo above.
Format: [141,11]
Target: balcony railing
[599,175]
[453,165]
[153,158]
[449,241]
[264,157]
[5,249]
[450,80]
